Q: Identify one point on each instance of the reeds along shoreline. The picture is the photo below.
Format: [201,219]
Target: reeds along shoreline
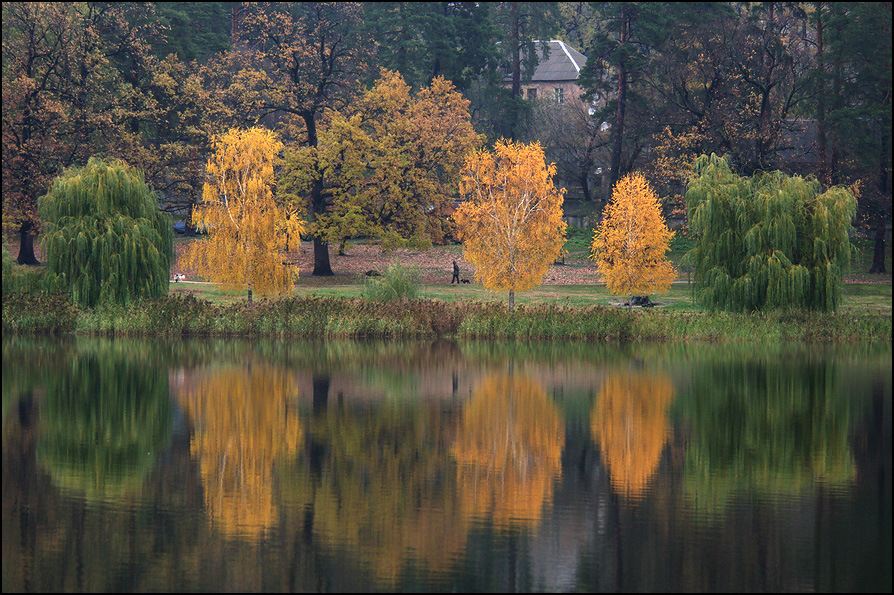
[331,317]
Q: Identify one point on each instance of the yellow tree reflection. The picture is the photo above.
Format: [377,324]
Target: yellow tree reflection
[383,490]
[508,450]
[242,424]
[629,424]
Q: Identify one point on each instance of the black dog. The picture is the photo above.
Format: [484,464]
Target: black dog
[465,280]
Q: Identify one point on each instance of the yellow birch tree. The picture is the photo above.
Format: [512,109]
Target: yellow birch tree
[630,244]
[247,230]
[510,222]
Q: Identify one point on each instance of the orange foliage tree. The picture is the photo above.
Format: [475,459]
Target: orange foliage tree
[246,228]
[629,423]
[511,220]
[243,424]
[508,449]
[630,244]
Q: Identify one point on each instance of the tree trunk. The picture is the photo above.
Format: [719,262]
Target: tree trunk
[322,268]
[821,100]
[585,187]
[837,104]
[618,127]
[26,244]
[511,300]
[878,253]
[515,36]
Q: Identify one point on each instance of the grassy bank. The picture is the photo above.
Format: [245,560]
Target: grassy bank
[856,298]
[351,317]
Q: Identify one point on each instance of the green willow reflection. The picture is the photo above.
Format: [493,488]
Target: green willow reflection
[104,421]
[781,426]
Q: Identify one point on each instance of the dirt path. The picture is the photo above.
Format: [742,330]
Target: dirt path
[434,265]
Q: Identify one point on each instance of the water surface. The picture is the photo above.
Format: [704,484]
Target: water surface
[348,466]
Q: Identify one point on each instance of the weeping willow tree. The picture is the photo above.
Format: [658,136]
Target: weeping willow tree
[768,241]
[104,235]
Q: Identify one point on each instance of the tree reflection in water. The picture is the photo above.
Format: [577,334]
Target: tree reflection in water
[508,449]
[243,423]
[629,424]
[103,422]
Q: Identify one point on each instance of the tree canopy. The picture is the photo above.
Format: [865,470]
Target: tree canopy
[104,235]
[391,164]
[767,241]
[510,221]
[631,243]
[247,229]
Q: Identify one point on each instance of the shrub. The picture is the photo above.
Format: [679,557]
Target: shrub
[398,283]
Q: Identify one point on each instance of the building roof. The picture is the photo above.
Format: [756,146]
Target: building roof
[563,64]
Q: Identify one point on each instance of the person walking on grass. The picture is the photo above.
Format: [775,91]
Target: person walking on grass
[455,273]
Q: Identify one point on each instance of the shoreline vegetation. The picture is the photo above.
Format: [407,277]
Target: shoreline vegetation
[345,307]
[320,317]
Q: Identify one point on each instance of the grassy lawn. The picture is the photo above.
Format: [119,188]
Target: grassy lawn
[857,298]
[863,293]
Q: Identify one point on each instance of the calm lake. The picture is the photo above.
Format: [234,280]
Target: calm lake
[206,465]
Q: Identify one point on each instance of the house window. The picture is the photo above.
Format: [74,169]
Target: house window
[532,93]
[558,94]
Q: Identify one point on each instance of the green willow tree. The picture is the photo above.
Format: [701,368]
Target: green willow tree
[767,241]
[104,235]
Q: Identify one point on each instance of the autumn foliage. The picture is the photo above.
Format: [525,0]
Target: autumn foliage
[243,424]
[629,424]
[630,244]
[508,449]
[511,219]
[390,164]
[246,228]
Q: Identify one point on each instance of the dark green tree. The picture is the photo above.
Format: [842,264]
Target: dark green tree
[623,47]
[104,235]
[424,40]
[854,107]
[194,29]
[767,241]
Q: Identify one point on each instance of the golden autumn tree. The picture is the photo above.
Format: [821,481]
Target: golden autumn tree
[247,229]
[508,449]
[629,424]
[390,164]
[510,222]
[243,424]
[630,244]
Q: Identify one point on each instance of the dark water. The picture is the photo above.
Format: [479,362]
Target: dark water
[231,466]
